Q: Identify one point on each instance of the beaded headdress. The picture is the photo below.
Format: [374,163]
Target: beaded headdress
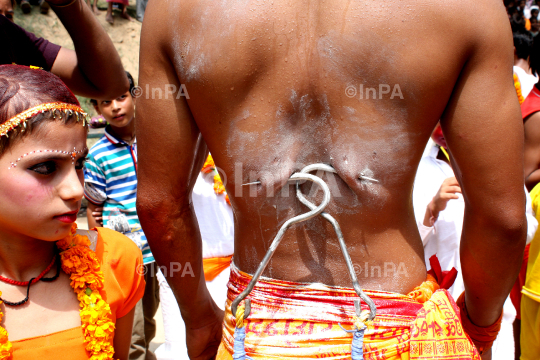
[55,108]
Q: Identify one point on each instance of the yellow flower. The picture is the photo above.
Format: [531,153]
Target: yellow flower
[219,188]
[208,165]
[5,345]
[3,335]
[218,185]
[5,350]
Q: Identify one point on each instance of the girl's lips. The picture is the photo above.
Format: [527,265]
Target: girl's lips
[67,218]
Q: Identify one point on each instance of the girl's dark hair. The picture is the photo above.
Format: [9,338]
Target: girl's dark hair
[523,43]
[22,88]
[534,59]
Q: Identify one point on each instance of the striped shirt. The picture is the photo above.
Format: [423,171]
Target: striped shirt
[110,180]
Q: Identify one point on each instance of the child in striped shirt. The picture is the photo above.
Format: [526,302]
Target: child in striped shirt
[110,176]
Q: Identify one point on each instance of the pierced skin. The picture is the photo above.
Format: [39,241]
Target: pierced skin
[267,94]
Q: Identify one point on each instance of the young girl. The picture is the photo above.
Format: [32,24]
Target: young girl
[66,294]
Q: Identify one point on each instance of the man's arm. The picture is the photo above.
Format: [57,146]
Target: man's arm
[532,151]
[483,128]
[171,155]
[94,69]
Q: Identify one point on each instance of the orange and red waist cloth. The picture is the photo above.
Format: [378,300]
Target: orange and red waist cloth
[290,320]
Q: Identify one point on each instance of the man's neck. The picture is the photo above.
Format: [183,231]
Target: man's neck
[23,258]
[126,133]
[523,64]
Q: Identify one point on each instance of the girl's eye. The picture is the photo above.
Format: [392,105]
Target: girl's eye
[45,168]
[79,165]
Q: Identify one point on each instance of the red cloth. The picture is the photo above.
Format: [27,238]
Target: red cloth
[482,337]
[531,103]
[445,279]
[300,321]
[515,294]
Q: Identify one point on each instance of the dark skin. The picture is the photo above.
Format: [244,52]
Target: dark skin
[94,68]
[266,90]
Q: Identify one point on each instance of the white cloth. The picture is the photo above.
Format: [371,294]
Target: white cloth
[527,81]
[528,9]
[216,224]
[443,239]
[215,218]
[174,347]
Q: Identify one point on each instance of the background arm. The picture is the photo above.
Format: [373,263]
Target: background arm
[94,69]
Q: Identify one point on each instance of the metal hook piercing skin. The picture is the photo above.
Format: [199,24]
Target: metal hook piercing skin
[302,217]
[363,177]
[252,183]
[341,240]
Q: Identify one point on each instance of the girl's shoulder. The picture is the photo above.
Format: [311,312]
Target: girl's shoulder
[92,235]
[110,240]
[122,266]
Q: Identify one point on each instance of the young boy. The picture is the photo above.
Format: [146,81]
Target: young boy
[110,176]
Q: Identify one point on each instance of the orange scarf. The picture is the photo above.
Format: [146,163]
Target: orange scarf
[214,266]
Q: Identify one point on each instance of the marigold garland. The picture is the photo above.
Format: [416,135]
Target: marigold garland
[5,345]
[84,270]
[517,85]
[219,188]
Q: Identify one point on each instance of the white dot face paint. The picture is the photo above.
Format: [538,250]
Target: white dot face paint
[73,154]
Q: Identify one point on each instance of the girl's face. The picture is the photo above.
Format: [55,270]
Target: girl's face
[41,182]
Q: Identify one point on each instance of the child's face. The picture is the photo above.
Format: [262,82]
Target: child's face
[118,112]
[534,25]
[41,192]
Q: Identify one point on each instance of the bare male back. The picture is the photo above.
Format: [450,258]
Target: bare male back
[274,86]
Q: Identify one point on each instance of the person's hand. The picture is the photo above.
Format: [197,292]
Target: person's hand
[448,190]
[203,341]
[97,214]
